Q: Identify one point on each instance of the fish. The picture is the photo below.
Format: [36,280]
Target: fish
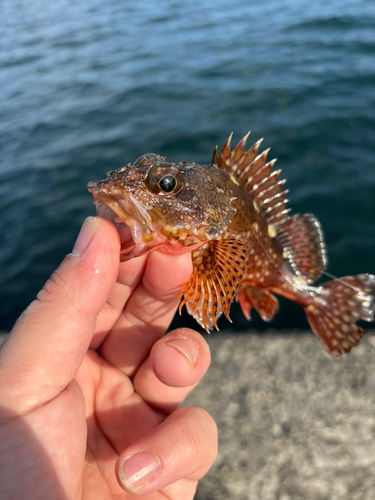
[232,216]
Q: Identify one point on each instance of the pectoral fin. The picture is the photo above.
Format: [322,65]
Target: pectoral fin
[218,267]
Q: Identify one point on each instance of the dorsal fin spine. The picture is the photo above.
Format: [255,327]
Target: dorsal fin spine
[274,189]
[242,142]
[272,179]
[270,176]
[253,151]
[257,164]
[258,189]
[280,217]
[271,201]
[225,151]
[215,157]
[275,206]
[238,153]
[263,173]
[251,170]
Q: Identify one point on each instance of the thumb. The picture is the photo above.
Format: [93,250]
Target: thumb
[50,339]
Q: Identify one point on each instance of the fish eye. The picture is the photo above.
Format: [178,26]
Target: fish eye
[164,179]
[168,183]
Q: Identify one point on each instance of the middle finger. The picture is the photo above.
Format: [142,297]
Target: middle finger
[148,312]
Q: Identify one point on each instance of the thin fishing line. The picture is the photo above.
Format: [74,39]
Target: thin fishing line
[358,290]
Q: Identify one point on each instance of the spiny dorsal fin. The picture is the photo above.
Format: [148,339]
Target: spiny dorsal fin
[218,267]
[251,170]
[302,241]
[235,162]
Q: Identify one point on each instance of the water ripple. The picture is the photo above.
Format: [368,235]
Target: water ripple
[87,87]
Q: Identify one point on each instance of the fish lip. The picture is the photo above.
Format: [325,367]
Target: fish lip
[106,195]
[116,205]
[118,200]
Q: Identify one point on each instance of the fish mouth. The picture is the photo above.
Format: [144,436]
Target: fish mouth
[116,205]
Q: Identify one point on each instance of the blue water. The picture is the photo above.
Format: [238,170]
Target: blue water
[88,86]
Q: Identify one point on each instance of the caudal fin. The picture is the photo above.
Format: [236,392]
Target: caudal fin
[335,309]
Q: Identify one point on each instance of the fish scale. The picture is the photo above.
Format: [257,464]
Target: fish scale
[233,217]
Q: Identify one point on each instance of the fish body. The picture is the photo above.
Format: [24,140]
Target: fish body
[232,216]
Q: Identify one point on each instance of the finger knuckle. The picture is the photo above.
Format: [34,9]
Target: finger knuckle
[200,430]
[52,288]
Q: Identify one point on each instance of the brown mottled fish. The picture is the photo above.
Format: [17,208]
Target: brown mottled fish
[233,216]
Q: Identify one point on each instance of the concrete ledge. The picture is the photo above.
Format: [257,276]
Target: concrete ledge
[294,424]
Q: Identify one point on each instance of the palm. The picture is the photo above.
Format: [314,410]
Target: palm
[88,399]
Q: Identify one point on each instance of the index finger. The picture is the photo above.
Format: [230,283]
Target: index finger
[50,339]
[148,312]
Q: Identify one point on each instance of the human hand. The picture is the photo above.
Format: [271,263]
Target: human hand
[89,390]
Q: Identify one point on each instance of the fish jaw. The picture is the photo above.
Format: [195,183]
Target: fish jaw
[115,204]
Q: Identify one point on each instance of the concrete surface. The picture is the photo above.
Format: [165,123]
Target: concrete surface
[294,424]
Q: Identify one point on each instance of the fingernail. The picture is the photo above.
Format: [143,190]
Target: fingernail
[86,234]
[187,347]
[138,470]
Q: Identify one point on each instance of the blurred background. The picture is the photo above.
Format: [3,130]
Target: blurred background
[86,87]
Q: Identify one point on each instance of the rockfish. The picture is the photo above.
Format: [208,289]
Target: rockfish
[232,216]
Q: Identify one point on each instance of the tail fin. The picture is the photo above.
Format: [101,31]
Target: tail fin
[334,311]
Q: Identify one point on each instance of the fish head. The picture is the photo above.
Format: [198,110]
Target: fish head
[156,203]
